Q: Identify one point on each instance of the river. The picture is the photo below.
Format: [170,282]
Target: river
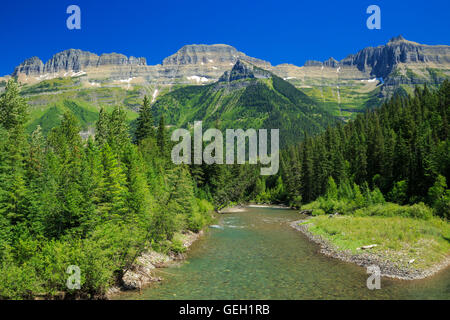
[257,255]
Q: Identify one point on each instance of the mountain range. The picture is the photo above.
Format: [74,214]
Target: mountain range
[84,81]
[246,97]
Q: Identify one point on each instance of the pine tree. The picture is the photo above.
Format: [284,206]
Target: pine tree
[91,186]
[13,108]
[14,200]
[35,166]
[140,201]
[102,128]
[35,161]
[181,190]
[144,127]
[307,171]
[113,196]
[66,138]
[66,142]
[50,204]
[161,135]
[118,131]
[221,181]
[376,147]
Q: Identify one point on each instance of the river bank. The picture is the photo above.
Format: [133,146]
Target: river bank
[256,254]
[242,207]
[388,261]
[141,273]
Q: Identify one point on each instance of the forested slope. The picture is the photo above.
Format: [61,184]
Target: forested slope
[96,204]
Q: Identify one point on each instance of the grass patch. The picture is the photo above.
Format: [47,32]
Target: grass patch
[399,239]
[51,85]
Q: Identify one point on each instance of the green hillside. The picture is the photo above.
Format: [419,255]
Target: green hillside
[250,100]
[86,113]
[49,99]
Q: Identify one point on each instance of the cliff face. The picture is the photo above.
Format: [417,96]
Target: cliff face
[391,65]
[343,88]
[204,63]
[208,54]
[119,60]
[74,60]
[30,66]
[382,60]
[244,70]
[191,64]
[399,62]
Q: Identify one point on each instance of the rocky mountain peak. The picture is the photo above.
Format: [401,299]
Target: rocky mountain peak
[203,54]
[382,60]
[244,70]
[73,60]
[331,62]
[397,39]
[32,65]
[398,61]
[119,59]
[313,63]
[70,60]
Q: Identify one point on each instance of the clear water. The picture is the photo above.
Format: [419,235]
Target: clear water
[257,255]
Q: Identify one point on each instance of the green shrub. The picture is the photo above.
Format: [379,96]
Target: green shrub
[204,206]
[196,222]
[359,199]
[318,212]
[332,190]
[442,206]
[177,245]
[398,194]
[420,211]
[17,281]
[439,197]
[296,202]
[377,197]
[163,246]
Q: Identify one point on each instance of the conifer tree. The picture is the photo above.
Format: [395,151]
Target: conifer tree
[161,135]
[144,127]
[13,108]
[307,171]
[140,201]
[113,196]
[118,130]
[91,186]
[13,191]
[102,128]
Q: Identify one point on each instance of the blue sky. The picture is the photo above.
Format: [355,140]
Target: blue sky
[278,31]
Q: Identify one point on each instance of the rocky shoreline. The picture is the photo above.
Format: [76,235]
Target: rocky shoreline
[365,259]
[141,273]
[232,209]
[242,207]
